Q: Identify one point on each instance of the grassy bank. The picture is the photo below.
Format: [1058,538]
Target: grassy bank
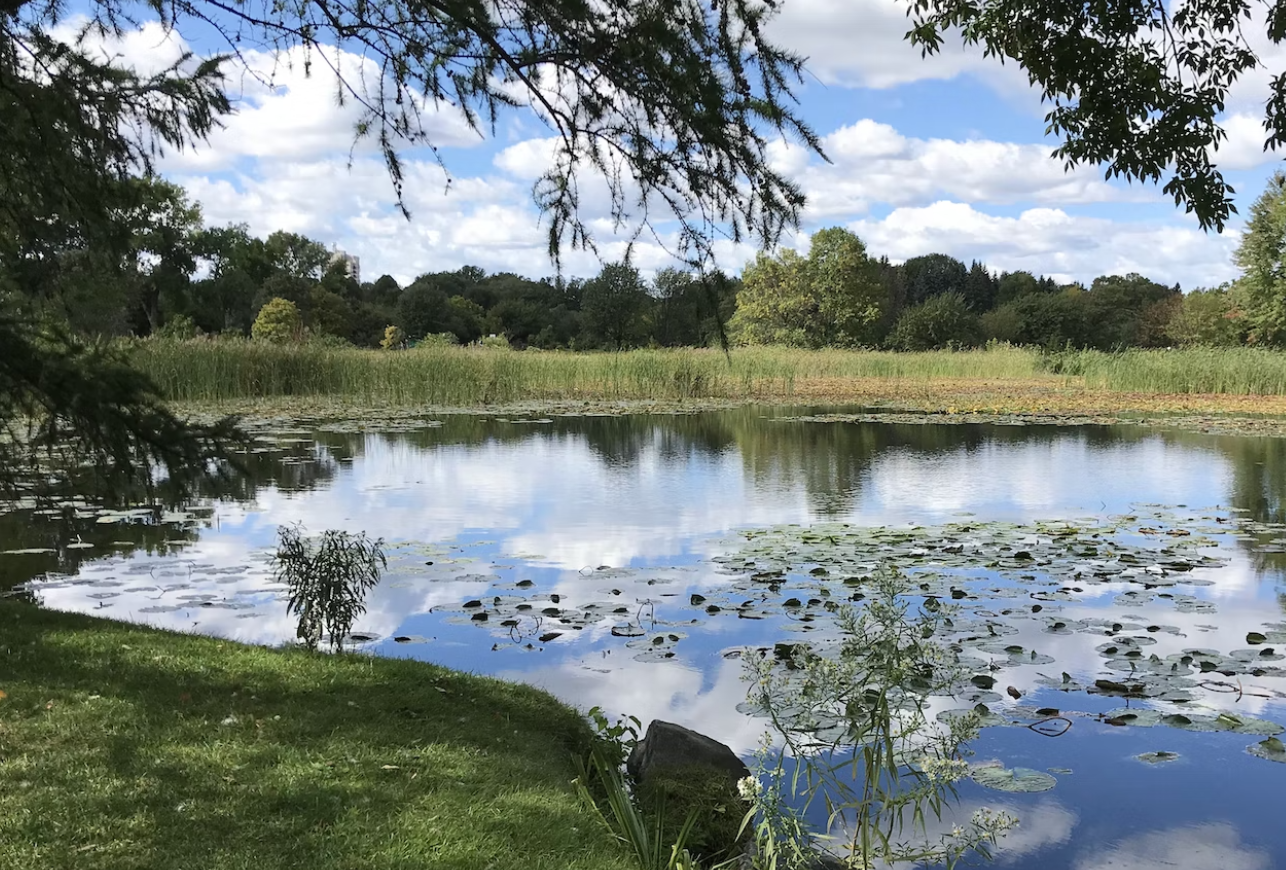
[125,747]
[996,380]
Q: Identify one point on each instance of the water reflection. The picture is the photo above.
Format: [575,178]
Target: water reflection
[490,503]
[1212,846]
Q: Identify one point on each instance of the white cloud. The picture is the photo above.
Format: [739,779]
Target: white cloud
[1244,147]
[1056,243]
[860,43]
[873,163]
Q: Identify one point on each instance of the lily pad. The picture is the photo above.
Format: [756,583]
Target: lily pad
[1017,780]
[1271,749]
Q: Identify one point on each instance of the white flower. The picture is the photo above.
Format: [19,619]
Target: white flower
[749,788]
[944,769]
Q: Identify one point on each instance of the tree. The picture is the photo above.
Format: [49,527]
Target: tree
[1127,310]
[466,320]
[980,288]
[278,322]
[775,304]
[1262,256]
[1053,320]
[329,313]
[834,297]
[932,275]
[614,305]
[1135,85]
[1207,317]
[1016,285]
[845,284]
[671,105]
[691,307]
[422,308]
[105,292]
[296,255]
[69,411]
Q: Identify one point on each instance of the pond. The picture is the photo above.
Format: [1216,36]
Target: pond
[1129,578]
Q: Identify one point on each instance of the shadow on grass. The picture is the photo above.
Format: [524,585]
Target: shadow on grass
[126,747]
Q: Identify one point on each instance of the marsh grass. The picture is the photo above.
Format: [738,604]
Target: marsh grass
[204,371]
[229,370]
[212,371]
[1244,371]
[125,747]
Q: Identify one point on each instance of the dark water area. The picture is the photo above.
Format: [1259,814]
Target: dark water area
[581,540]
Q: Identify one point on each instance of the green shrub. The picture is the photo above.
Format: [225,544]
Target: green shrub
[943,321]
[328,580]
[180,327]
[438,339]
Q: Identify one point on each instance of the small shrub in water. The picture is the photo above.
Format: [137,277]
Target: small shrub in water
[856,726]
[328,580]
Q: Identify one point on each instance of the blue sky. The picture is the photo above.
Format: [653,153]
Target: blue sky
[942,155]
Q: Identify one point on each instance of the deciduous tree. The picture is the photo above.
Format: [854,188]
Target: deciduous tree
[1136,86]
[1262,256]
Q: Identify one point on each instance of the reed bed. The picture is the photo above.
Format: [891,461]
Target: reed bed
[212,371]
[1239,371]
[223,370]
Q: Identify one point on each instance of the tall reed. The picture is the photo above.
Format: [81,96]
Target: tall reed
[233,369]
[1227,370]
[218,370]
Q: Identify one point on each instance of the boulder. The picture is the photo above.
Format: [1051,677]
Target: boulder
[666,745]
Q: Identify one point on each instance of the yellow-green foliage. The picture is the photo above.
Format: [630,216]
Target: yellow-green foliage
[833,297]
[393,338]
[278,321]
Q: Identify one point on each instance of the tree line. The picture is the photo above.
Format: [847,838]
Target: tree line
[175,276]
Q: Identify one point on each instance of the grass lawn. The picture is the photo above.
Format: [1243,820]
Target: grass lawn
[127,747]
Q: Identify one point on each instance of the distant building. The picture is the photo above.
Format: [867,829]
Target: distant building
[351,264]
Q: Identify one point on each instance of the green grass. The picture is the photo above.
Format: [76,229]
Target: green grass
[1239,371]
[125,747]
[215,371]
[205,371]
[231,370]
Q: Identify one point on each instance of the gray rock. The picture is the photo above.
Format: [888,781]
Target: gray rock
[668,745]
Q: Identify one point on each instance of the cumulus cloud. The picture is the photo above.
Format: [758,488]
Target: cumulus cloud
[1244,147]
[873,163]
[860,43]
[1059,244]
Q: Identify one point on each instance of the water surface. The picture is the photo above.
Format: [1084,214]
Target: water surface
[582,539]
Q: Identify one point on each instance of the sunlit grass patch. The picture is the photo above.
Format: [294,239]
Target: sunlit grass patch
[126,747]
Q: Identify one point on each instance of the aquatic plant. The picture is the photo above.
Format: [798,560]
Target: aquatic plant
[856,732]
[328,580]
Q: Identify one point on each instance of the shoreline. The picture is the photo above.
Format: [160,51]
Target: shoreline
[939,402]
